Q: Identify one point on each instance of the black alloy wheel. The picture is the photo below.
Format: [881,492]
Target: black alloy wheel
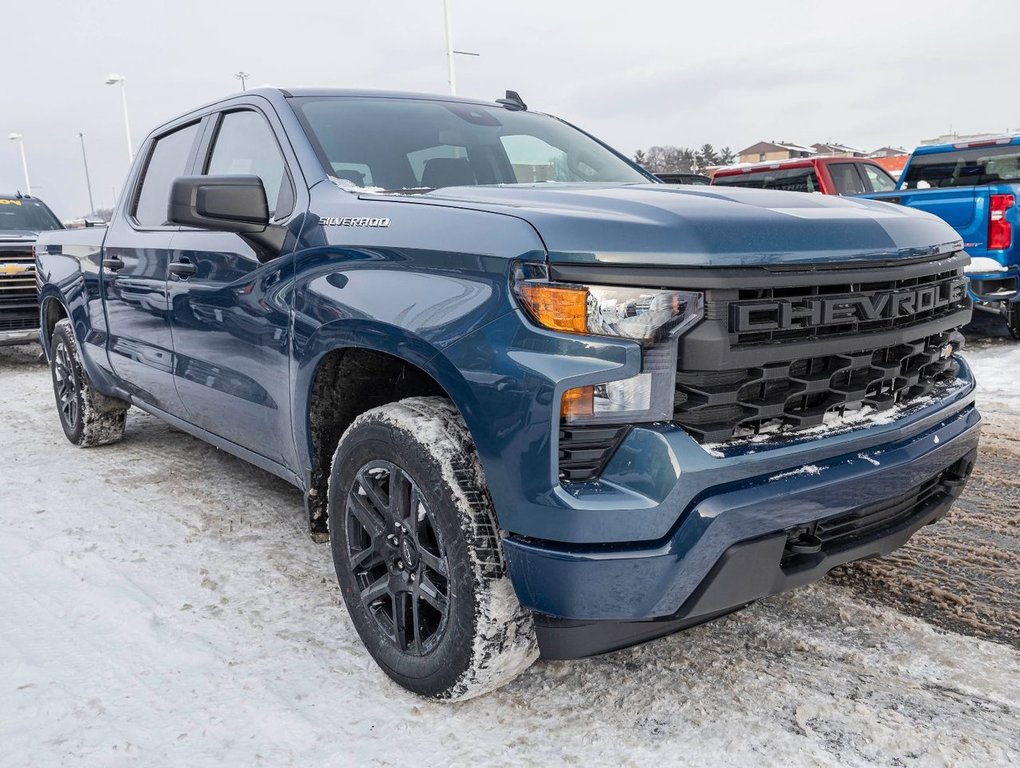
[67,385]
[397,557]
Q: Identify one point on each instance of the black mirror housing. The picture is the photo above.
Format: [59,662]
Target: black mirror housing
[221,203]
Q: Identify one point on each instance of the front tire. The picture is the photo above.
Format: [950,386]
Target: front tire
[417,553]
[87,417]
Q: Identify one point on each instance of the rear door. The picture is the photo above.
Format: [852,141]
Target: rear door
[134,272]
[231,318]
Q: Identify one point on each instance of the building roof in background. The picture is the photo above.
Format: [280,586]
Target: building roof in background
[775,146]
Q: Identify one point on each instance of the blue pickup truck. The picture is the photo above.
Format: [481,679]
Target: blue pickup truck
[537,401]
[975,187]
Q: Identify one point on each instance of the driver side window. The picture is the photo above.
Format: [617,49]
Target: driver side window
[245,145]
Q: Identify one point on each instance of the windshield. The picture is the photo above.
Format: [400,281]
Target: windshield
[965,168]
[25,214]
[400,144]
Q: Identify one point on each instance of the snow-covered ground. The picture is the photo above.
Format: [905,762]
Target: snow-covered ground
[162,605]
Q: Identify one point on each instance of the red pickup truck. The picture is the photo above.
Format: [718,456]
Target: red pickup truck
[828,175]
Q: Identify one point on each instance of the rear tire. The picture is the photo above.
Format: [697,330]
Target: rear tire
[1012,314]
[417,553]
[88,417]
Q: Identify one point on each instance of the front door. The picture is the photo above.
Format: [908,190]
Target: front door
[230,316]
[134,273]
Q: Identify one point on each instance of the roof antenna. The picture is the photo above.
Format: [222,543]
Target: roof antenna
[513,101]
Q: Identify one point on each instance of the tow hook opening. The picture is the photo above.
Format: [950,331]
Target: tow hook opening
[802,541]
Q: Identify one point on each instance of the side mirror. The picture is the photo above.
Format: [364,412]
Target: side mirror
[221,203]
[227,204]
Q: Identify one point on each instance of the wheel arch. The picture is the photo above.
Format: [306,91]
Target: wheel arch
[348,368]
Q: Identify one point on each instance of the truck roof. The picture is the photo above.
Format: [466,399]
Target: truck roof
[985,141]
[794,162]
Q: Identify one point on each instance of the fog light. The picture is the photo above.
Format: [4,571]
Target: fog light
[623,397]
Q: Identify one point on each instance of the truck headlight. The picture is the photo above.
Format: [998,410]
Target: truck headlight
[647,315]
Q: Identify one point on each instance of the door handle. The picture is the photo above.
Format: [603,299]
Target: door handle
[182,268]
[113,264]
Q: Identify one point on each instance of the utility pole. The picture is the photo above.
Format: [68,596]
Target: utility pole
[88,181]
[243,77]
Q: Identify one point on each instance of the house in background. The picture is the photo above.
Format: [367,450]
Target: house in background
[837,150]
[767,151]
[888,152]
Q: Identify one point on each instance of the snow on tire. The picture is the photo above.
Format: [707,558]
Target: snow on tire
[417,552]
[87,417]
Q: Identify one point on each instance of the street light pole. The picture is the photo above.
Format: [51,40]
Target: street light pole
[243,77]
[88,181]
[113,79]
[24,163]
[452,78]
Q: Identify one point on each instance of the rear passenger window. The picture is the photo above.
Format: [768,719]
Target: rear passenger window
[245,146]
[846,179]
[167,160]
[879,180]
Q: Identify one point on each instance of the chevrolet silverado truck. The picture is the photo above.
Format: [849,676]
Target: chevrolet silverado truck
[974,187]
[555,418]
[22,218]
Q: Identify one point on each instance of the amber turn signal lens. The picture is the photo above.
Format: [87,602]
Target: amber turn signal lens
[557,307]
[578,402]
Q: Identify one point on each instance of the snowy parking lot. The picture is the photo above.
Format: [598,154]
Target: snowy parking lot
[162,604]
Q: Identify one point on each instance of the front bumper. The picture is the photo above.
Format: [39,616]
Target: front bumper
[19,336]
[729,544]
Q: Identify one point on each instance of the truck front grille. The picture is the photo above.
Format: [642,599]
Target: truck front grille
[806,313]
[19,298]
[715,406]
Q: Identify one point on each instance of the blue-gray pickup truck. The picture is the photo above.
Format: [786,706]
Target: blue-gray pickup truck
[537,401]
[974,186]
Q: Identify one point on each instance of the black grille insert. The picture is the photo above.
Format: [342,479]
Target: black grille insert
[584,450]
[715,406]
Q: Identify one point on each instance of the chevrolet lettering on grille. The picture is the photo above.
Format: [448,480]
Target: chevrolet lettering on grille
[780,315]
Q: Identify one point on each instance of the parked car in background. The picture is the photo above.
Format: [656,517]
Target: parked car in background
[828,175]
[974,186]
[22,218]
[684,178]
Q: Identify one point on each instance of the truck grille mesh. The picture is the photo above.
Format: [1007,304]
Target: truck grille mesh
[715,406]
[19,299]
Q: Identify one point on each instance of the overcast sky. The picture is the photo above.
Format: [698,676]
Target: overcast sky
[633,73]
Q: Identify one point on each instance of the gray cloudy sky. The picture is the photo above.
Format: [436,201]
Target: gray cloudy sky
[634,73]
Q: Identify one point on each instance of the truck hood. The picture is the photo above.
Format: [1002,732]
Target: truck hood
[17,236]
[663,225]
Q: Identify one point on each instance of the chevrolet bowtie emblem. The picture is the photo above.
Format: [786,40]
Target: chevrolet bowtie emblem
[16,269]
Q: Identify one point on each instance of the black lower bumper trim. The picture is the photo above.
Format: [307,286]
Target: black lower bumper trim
[751,570]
